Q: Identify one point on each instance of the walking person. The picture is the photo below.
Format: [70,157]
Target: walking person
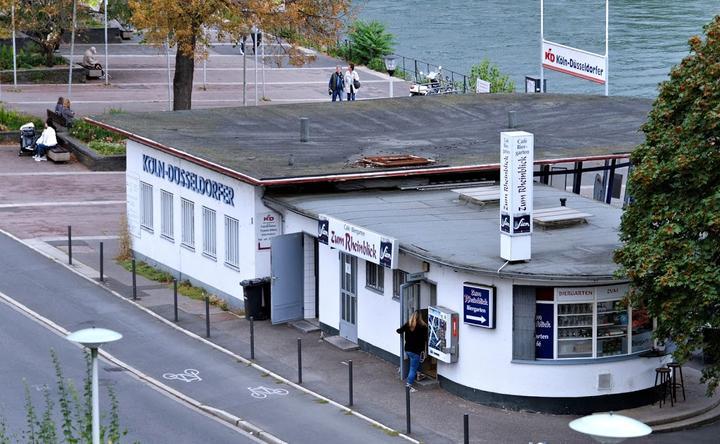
[336,87]
[47,140]
[416,335]
[352,82]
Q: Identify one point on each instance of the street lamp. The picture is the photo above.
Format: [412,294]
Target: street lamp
[609,428]
[390,65]
[94,338]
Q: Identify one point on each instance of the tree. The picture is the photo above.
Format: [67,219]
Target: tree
[485,70]
[44,22]
[184,23]
[671,230]
[369,41]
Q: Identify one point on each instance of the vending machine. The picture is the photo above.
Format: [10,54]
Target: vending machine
[443,334]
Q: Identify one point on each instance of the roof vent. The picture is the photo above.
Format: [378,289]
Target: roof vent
[479,195]
[400,160]
[559,217]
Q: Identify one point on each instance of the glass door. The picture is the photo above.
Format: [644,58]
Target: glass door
[348,297]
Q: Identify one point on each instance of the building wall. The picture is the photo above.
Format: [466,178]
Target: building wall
[170,253]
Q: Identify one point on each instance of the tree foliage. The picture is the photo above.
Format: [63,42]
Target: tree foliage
[369,41]
[190,24]
[44,21]
[671,231]
[488,71]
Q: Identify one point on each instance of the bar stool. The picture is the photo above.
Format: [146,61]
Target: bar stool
[663,374]
[676,367]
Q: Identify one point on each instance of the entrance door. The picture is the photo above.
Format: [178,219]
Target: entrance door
[348,297]
[286,263]
[420,296]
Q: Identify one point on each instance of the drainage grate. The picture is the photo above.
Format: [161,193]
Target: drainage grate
[113,369]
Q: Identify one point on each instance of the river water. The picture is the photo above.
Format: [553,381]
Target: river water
[647,37]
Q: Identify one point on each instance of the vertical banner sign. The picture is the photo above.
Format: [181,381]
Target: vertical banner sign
[479,305]
[544,331]
[516,194]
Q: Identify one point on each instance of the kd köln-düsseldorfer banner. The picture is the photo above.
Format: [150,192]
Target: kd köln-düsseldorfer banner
[575,62]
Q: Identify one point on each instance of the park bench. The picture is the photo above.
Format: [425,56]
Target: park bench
[58,119]
[58,154]
[92,72]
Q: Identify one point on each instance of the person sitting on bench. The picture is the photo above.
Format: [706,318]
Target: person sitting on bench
[59,106]
[46,141]
[90,62]
[67,113]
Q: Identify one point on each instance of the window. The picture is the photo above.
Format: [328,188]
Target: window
[209,232]
[166,215]
[374,276]
[232,242]
[399,278]
[188,223]
[588,322]
[146,206]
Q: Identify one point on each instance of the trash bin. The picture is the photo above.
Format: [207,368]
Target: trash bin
[257,298]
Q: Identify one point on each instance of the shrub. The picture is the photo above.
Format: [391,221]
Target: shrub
[30,57]
[499,82]
[88,132]
[369,40]
[107,148]
[12,120]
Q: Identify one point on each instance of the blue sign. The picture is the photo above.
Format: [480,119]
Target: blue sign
[479,305]
[189,180]
[544,332]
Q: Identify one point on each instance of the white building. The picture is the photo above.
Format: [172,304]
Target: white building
[354,231]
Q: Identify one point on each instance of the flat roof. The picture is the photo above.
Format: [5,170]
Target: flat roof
[261,145]
[438,226]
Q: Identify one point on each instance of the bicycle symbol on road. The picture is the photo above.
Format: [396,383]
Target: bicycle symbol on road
[263,392]
[189,375]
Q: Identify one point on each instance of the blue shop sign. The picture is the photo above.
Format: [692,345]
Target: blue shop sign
[188,179]
[479,305]
[544,331]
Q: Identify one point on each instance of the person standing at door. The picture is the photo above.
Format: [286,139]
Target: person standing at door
[416,334]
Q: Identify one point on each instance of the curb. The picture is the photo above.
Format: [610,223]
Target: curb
[240,358]
[697,419]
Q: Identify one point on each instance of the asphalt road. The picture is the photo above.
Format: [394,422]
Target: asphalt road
[158,350]
[148,415]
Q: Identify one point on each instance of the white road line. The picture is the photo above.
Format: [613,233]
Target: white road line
[62,204]
[61,173]
[151,382]
[171,324]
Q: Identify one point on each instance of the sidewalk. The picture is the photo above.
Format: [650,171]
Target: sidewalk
[138,82]
[437,415]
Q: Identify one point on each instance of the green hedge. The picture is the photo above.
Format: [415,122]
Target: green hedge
[107,148]
[88,132]
[29,58]
[12,120]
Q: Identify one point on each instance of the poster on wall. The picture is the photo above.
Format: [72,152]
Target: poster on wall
[132,191]
[479,305]
[544,331]
[442,334]
[267,226]
[358,241]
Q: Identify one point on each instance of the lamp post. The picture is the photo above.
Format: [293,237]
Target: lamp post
[609,428]
[390,65]
[94,338]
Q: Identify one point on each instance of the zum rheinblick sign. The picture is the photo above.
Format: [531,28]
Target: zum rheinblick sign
[516,183]
[358,241]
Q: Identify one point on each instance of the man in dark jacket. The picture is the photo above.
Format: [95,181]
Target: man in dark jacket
[336,85]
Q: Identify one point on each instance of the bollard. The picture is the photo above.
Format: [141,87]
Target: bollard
[350,381]
[299,342]
[102,278]
[175,298]
[207,316]
[466,429]
[407,408]
[69,245]
[252,338]
[134,279]
[512,119]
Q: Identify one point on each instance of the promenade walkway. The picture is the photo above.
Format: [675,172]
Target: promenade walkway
[139,81]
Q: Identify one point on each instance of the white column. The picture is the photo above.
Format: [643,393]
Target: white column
[12,13]
[72,48]
[107,63]
[95,398]
[542,37]
[262,59]
[391,87]
[607,57]
[255,45]
[169,81]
